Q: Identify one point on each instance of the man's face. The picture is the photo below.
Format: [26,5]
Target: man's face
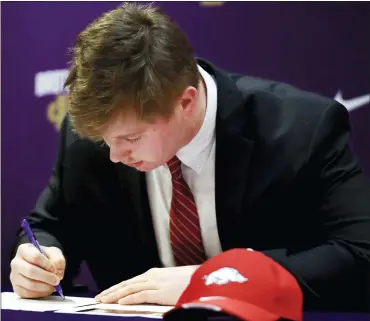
[142,145]
[146,146]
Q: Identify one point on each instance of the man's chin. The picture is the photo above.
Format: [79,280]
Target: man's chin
[143,166]
[146,167]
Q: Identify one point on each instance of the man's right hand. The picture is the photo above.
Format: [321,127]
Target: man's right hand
[32,274]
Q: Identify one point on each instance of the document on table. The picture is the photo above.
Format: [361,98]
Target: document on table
[11,301]
[77,305]
[143,310]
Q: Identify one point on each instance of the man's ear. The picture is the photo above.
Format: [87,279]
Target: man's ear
[188,100]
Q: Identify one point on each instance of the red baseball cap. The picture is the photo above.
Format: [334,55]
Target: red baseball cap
[243,283]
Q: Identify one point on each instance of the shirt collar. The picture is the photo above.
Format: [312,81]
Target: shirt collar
[196,153]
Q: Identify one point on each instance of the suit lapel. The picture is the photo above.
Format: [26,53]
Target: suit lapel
[234,149]
[233,156]
[133,182]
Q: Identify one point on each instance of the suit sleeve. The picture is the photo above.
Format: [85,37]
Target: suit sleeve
[342,260]
[46,219]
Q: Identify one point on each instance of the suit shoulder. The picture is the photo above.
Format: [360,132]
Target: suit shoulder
[282,95]
[284,117]
[279,103]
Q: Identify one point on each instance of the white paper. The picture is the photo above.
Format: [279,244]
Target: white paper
[11,301]
[143,310]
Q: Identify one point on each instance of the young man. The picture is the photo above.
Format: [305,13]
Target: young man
[165,160]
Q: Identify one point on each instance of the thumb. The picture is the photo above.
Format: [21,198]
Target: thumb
[56,259]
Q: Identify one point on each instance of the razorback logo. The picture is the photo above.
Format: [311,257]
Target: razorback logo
[223,276]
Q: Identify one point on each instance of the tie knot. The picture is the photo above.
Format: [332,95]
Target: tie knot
[174,165]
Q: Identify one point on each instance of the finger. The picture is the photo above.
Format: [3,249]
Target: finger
[127,290]
[32,255]
[57,258]
[109,290]
[32,285]
[34,272]
[29,294]
[137,279]
[146,296]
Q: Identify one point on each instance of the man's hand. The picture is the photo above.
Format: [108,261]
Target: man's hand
[32,274]
[161,286]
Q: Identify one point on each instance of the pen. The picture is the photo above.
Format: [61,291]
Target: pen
[31,237]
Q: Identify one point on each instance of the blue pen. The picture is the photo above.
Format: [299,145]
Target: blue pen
[31,237]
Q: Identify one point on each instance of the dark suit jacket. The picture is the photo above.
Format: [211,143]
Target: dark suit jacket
[286,184]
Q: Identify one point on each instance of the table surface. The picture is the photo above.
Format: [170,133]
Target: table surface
[11,315]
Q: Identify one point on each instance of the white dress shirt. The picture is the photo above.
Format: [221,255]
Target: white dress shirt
[198,168]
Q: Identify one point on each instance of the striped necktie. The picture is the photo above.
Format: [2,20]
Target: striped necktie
[185,236]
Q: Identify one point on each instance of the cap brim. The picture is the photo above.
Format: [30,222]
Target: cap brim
[240,309]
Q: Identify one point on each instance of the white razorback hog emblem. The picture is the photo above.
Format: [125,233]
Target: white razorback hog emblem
[224,276]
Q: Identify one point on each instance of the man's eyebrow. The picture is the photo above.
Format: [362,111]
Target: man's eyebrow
[128,135]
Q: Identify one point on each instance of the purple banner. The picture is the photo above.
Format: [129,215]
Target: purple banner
[318,46]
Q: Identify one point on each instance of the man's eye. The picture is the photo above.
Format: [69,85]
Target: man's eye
[133,140]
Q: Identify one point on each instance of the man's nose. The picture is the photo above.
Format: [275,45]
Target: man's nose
[117,156]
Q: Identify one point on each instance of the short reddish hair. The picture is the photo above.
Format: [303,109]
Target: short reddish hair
[133,58]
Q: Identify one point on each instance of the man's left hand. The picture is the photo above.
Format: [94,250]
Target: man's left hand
[162,286]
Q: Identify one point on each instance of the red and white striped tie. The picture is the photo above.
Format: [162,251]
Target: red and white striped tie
[185,236]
